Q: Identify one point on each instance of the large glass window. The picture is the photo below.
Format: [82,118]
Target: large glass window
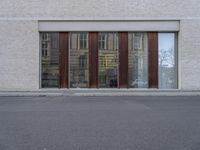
[143,60]
[78,60]
[167,43]
[138,60]
[108,60]
[50,59]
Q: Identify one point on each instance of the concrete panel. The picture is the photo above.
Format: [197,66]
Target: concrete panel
[99,8]
[189,55]
[19,55]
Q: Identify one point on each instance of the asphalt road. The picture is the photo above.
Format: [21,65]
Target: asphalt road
[99,123]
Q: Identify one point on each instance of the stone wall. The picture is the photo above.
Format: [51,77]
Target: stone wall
[19,36]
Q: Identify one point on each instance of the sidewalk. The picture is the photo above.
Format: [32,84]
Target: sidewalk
[101,92]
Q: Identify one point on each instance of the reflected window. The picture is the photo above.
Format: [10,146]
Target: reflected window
[138,60]
[102,40]
[137,42]
[78,60]
[167,43]
[108,60]
[49,60]
[83,38]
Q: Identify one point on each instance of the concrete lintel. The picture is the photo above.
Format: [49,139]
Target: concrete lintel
[108,26]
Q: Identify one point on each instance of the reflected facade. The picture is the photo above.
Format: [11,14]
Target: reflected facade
[150,60]
[167,43]
[137,60]
[108,60]
[78,57]
[49,59]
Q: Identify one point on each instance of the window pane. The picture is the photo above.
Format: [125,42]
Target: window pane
[138,60]
[78,62]
[167,60]
[108,63]
[50,59]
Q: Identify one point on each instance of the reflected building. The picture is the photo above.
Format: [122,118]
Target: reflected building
[50,59]
[139,60]
[79,60]
[108,60]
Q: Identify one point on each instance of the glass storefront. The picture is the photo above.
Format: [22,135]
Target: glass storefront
[79,50]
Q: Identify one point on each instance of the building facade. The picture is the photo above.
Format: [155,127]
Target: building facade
[99,44]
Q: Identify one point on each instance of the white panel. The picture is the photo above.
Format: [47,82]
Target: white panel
[109,26]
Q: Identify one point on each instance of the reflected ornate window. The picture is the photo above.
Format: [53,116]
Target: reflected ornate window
[45,42]
[137,42]
[102,41]
[83,38]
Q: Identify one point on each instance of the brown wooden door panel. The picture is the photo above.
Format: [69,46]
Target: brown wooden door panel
[93,59]
[153,59]
[63,63]
[123,60]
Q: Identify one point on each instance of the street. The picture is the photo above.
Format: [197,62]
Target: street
[100,123]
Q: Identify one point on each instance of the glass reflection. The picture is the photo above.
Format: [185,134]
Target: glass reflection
[108,60]
[50,59]
[138,60]
[167,60]
[79,60]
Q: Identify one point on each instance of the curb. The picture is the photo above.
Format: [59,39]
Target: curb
[99,93]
